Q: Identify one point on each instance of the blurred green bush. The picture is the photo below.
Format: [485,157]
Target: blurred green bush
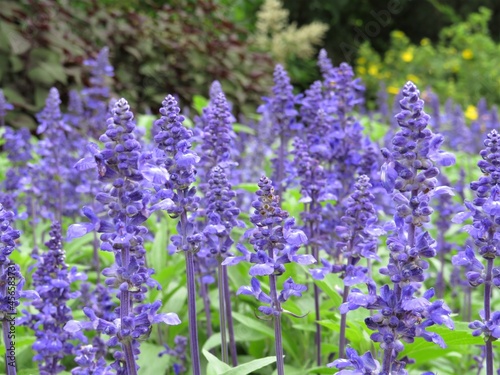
[462,65]
[179,48]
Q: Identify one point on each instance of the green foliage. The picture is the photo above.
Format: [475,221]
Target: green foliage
[178,48]
[461,66]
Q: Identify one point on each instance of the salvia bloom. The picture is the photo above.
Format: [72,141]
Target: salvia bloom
[221,212]
[275,242]
[4,107]
[11,284]
[19,152]
[217,134]
[88,364]
[177,163]
[97,94]
[179,353]
[280,111]
[125,197]
[410,174]
[52,280]
[53,179]
[484,231]
[274,238]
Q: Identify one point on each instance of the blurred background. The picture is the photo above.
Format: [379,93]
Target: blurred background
[181,46]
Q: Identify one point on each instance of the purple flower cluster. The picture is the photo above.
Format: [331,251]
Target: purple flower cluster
[52,281]
[4,107]
[125,197]
[279,111]
[484,231]
[276,242]
[11,284]
[410,174]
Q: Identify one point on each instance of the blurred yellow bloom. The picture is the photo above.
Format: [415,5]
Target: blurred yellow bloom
[398,34]
[393,90]
[362,70]
[361,61]
[407,56]
[373,70]
[425,42]
[471,113]
[413,78]
[467,54]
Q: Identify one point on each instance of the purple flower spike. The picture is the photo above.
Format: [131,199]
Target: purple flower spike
[125,196]
[4,107]
[410,173]
[275,241]
[52,280]
[485,232]
[356,365]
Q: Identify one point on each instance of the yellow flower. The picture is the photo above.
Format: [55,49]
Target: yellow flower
[425,42]
[413,78]
[467,54]
[361,61]
[471,113]
[362,70]
[373,70]
[407,56]
[393,90]
[398,34]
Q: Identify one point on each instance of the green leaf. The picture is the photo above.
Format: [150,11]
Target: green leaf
[251,188]
[264,329]
[199,102]
[250,367]
[423,351]
[149,361]
[240,128]
[215,363]
[326,285]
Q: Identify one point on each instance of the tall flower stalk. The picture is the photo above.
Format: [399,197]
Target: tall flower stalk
[173,185]
[11,285]
[218,201]
[222,216]
[276,243]
[410,175]
[52,280]
[280,111]
[313,190]
[124,196]
[484,231]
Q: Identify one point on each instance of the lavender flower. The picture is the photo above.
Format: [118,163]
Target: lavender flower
[485,212]
[125,198]
[52,280]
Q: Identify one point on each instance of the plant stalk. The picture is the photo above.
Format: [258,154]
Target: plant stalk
[487,315]
[229,315]
[222,316]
